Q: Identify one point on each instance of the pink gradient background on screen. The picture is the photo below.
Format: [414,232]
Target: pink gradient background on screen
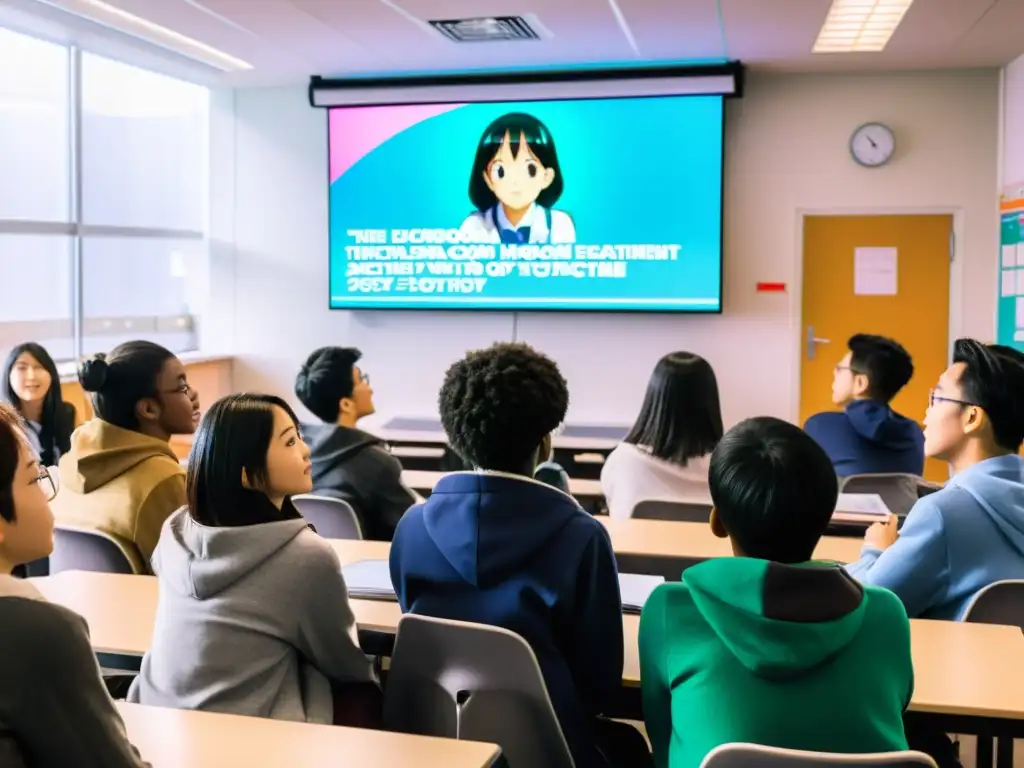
[357,131]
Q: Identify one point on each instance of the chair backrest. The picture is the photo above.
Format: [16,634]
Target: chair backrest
[757,756]
[677,511]
[474,682]
[998,603]
[898,491]
[86,549]
[332,518]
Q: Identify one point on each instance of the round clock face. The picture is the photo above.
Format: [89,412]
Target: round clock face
[872,145]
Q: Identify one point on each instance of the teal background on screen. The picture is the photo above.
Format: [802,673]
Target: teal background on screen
[636,171]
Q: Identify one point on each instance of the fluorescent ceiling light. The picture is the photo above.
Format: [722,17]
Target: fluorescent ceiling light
[136,26]
[860,25]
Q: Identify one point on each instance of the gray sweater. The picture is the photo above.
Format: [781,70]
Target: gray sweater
[252,620]
[52,698]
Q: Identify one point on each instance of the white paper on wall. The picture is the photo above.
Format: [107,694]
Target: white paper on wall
[1009,256]
[1020,312]
[1009,283]
[874,271]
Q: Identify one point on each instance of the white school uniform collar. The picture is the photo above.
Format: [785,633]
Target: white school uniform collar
[532,219]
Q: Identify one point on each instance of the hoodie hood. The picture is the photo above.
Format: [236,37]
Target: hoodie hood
[330,445]
[997,485]
[201,562]
[879,423]
[101,452]
[476,520]
[779,621]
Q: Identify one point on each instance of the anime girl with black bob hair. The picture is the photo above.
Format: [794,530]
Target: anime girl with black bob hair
[514,184]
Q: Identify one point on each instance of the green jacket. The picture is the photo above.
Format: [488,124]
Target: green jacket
[746,650]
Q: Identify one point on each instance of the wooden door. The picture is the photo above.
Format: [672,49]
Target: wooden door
[917,316]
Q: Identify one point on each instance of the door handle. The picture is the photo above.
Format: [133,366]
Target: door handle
[813,342]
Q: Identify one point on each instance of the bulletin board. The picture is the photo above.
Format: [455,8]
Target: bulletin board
[1011,268]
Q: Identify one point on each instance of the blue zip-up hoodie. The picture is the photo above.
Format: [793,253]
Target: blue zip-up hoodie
[509,551]
[869,437]
[954,542]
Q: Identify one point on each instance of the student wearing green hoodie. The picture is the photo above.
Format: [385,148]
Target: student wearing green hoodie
[769,647]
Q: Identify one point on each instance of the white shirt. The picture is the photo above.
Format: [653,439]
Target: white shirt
[479,227]
[631,475]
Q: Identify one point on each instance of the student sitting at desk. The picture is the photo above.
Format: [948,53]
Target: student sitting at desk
[497,547]
[121,476]
[665,455]
[253,617]
[970,534]
[768,647]
[869,437]
[52,699]
[348,463]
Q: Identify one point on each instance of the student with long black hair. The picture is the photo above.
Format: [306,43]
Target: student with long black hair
[121,476]
[31,385]
[667,452]
[253,617]
[54,708]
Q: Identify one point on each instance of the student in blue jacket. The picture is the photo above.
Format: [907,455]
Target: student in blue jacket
[868,436]
[970,534]
[495,546]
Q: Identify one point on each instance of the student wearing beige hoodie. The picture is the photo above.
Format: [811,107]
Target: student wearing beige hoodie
[54,708]
[121,476]
[666,454]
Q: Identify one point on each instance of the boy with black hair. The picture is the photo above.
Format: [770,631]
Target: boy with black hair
[970,534]
[746,649]
[495,546]
[348,463]
[54,708]
[869,437]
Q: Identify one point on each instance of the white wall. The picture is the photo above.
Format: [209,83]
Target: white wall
[1013,124]
[786,151]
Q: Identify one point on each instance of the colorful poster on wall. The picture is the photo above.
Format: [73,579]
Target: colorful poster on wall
[1011,268]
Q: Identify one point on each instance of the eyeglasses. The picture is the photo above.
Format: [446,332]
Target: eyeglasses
[934,398]
[846,368]
[184,389]
[48,483]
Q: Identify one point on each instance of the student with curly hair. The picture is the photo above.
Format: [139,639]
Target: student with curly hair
[495,546]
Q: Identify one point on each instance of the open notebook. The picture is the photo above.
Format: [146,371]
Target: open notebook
[371,580]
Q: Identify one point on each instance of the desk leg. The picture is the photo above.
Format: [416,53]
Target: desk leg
[1004,752]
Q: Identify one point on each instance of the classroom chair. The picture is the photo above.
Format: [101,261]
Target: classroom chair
[757,756]
[476,682]
[332,518]
[998,603]
[86,549]
[676,511]
[899,491]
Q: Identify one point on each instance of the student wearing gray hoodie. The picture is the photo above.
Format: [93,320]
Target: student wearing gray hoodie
[253,617]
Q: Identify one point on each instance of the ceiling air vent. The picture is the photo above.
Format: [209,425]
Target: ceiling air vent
[488,29]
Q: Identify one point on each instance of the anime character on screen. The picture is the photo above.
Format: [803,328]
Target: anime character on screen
[514,183]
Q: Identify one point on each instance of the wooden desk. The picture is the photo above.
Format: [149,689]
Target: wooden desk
[960,670]
[177,738]
[663,538]
[421,480]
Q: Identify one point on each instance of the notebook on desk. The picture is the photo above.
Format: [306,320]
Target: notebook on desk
[371,580]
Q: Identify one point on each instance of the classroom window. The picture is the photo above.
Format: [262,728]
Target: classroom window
[128,258]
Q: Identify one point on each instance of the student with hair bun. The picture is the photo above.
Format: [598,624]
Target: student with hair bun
[121,476]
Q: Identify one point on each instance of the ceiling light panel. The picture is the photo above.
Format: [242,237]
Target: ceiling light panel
[860,25]
[117,18]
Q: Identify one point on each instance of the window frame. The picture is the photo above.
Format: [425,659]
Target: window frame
[75,228]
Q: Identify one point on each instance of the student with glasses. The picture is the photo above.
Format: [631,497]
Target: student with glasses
[348,463]
[970,534]
[868,436]
[121,476]
[54,708]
